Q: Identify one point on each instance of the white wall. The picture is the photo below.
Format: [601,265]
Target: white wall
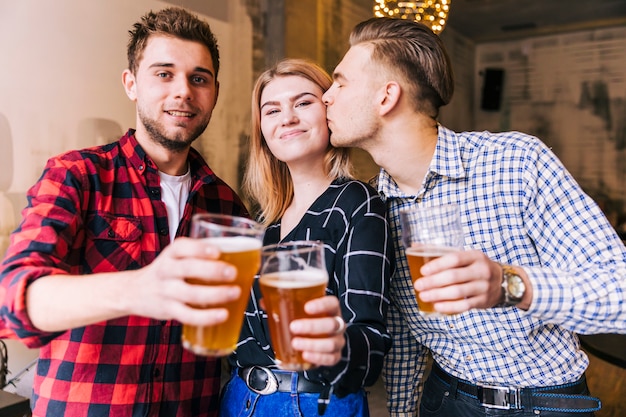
[62,63]
[570,91]
[60,73]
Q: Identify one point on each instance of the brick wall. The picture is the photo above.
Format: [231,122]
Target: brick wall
[570,91]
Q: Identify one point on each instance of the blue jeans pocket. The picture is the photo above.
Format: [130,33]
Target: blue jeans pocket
[433,397]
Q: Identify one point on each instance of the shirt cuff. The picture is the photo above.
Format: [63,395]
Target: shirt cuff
[552,297]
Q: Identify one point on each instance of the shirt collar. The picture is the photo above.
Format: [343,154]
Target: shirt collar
[133,151]
[446,162]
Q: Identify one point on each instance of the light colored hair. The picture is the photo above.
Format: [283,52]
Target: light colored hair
[418,55]
[267,181]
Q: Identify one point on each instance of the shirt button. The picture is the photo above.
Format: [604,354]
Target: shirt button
[157,373]
[155,192]
[163,232]
[469,358]
[140,167]
[111,233]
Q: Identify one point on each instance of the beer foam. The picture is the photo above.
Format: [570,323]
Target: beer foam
[235,243]
[430,251]
[295,279]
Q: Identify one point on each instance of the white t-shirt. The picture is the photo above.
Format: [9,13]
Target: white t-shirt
[174,193]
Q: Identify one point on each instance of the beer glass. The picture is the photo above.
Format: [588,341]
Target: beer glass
[239,240]
[428,233]
[292,274]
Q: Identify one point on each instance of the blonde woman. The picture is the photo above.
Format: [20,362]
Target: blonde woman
[304,190]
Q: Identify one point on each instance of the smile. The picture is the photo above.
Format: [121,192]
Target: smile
[291,134]
[179,113]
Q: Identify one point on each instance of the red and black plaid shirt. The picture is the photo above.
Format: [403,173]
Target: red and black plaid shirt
[100,210]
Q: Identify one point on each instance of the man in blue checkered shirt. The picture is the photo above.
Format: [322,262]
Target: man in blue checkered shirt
[540,260]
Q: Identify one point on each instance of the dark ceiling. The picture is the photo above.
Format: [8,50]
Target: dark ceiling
[492,20]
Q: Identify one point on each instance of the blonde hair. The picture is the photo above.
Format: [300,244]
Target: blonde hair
[267,181]
[414,51]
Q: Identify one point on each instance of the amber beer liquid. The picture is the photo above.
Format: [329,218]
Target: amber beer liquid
[284,295]
[220,340]
[416,258]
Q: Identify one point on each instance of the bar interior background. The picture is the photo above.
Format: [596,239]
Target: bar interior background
[553,69]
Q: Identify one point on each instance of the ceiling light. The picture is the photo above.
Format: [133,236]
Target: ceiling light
[432,13]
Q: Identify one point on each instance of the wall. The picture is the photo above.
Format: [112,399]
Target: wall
[62,65]
[570,91]
[60,84]
[460,112]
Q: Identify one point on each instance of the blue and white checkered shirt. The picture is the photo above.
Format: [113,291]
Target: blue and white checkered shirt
[519,206]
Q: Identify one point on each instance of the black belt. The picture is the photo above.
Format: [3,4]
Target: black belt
[555,398]
[266,381]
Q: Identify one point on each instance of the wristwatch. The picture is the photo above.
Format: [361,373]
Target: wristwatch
[513,286]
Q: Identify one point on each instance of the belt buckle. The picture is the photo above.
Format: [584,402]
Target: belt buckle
[271,385]
[502,398]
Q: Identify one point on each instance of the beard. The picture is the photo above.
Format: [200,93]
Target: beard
[180,141]
[357,128]
[360,136]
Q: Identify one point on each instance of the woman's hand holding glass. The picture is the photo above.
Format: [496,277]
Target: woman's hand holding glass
[305,325]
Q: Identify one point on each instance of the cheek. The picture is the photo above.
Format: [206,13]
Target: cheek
[149,99]
[324,133]
[267,128]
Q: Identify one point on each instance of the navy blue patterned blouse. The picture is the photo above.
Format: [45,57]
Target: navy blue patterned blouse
[349,217]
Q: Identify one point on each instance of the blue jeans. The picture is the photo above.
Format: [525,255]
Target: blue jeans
[239,401]
[440,399]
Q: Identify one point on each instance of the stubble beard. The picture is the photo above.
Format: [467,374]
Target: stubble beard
[358,138]
[179,142]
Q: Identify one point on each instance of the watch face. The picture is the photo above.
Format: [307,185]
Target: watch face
[516,286]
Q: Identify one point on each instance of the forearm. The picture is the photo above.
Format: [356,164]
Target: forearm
[580,279]
[583,301]
[61,302]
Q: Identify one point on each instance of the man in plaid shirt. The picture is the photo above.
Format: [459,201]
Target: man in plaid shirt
[541,262]
[94,277]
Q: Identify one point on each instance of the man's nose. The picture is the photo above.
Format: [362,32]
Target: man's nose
[183,89]
[326,97]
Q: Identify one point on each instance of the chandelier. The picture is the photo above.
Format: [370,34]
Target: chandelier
[432,13]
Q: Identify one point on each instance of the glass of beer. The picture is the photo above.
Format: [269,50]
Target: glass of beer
[292,274]
[428,233]
[240,241]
